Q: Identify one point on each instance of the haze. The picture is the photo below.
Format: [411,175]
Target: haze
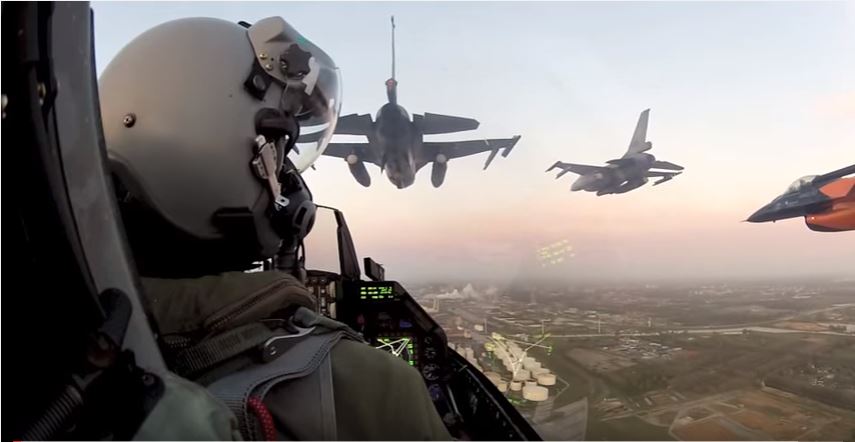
[747,96]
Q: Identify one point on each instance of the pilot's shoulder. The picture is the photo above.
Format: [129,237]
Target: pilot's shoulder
[370,362]
[381,397]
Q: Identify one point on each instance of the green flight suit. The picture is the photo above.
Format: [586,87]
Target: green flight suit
[377,396]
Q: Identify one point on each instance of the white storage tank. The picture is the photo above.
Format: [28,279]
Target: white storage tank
[530,383]
[521,375]
[516,386]
[539,371]
[535,393]
[502,386]
[546,379]
[531,366]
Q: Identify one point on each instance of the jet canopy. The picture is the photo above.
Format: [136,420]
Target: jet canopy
[800,183]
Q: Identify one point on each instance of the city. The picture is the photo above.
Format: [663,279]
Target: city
[665,361]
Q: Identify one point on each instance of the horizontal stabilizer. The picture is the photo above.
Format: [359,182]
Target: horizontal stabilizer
[430,124]
[665,165]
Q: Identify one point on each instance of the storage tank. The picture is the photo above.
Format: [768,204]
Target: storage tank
[546,379]
[521,375]
[531,366]
[530,383]
[516,386]
[502,386]
[535,393]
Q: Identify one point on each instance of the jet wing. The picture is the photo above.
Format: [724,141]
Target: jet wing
[579,169]
[431,124]
[457,149]
[354,124]
[665,176]
[665,165]
[639,142]
[362,151]
[830,176]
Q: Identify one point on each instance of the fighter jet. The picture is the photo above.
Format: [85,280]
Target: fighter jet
[826,201]
[396,145]
[625,173]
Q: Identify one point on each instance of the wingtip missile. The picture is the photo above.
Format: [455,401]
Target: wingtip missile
[559,165]
[490,158]
[508,149]
[665,178]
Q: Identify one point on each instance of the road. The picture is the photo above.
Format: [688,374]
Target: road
[735,330]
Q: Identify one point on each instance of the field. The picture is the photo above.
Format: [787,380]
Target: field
[599,361]
[803,326]
[777,428]
[629,428]
[710,429]
[764,415]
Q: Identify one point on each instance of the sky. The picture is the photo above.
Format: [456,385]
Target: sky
[748,96]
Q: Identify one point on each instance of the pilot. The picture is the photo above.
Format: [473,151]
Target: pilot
[201,119]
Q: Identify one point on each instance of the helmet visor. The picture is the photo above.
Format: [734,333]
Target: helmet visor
[317,123]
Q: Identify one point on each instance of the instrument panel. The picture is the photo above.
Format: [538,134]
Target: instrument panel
[390,319]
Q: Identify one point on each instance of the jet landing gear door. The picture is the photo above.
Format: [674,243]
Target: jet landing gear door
[390,319]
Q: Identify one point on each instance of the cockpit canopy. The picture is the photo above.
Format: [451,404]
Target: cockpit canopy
[800,183]
[389,109]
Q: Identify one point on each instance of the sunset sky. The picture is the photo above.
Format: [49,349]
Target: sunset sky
[747,96]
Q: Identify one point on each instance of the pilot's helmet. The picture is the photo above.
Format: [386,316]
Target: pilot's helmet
[201,120]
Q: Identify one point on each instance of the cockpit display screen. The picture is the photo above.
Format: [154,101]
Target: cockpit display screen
[376,291]
[403,347]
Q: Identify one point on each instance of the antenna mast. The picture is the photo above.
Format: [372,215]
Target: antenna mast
[393,47]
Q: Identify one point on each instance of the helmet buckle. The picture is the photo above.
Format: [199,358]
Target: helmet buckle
[264,165]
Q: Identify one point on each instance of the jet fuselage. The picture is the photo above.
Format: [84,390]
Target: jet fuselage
[826,202]
[399,143]
[618,177]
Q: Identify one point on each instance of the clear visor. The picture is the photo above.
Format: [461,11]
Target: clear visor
[317,125]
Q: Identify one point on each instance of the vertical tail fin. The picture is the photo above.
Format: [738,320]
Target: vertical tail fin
[639,141]
[392,83]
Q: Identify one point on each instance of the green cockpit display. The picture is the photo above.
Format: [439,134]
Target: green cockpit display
[376,291]
[400,346]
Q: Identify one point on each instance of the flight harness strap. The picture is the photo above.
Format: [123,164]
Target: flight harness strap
[222,347]
[304,357]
